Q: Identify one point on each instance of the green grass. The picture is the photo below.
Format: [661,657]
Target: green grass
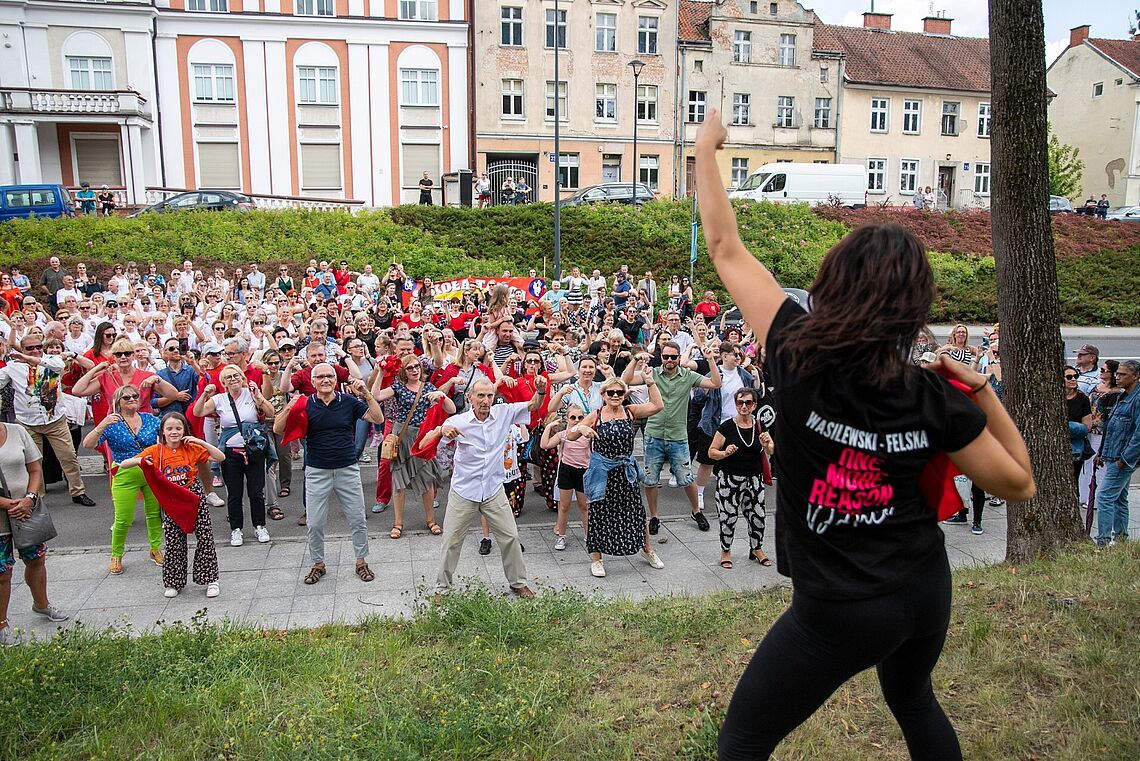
[1040,663]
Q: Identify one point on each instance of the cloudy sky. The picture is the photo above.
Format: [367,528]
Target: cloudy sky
[1108,18]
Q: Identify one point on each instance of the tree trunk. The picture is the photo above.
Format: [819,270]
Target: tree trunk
[1028,308]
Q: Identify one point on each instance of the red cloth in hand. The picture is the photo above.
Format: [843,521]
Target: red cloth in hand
[433,418]
[296,420]
[936,482]
[178,502]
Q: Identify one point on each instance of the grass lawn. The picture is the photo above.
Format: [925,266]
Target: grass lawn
[1041,663]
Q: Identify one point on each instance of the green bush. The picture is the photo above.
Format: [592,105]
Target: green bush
[1098,286]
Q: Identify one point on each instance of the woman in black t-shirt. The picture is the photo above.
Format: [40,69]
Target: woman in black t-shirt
[740,447]
[858,423]
[1078,409]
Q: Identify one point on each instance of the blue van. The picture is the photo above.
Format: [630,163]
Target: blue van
[21,201]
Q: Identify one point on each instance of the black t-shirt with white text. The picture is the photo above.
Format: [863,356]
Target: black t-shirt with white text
[851,521]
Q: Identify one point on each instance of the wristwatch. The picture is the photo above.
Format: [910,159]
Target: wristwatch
[35,498]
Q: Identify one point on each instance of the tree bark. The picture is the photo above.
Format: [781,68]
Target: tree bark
[1031,346]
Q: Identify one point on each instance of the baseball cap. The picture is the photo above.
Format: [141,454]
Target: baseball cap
[1089,349]
[286,342]
[211,348]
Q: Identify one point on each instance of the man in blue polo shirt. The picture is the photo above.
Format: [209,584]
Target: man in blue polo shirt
[179,374]
[331,466]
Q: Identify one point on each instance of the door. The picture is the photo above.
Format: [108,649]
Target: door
[611,168]
[945,186]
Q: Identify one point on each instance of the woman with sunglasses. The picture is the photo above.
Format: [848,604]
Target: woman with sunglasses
[279,477]
[12,296]
[106,378]
[573,459]
[616,522]
[858,425]
[1079,413]
[356,352]
[127,432]
[740,448]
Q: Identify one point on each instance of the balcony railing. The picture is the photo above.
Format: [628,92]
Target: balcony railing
[86,102]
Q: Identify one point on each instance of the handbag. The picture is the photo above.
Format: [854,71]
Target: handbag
[37,529]
[390,447]
[253,433]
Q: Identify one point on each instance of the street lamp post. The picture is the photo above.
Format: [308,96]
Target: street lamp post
[557,154]
[637,66]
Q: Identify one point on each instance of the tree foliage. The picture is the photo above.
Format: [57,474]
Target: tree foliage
[1065,168]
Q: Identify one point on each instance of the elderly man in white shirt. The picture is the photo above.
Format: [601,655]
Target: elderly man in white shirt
[477,479]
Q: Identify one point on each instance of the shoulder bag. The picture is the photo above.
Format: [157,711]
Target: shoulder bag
[37,529]
[254,435]
[390,447]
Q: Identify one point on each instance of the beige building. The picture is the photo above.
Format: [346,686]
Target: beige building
[914,110]
[756,62]
[1097,109]
[515,91]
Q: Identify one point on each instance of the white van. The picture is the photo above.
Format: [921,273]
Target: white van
[806,183]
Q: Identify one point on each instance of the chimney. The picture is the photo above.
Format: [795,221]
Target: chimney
[873,20]
[1078,34]
[936,25]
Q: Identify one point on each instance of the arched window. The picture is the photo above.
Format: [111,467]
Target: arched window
[88,63]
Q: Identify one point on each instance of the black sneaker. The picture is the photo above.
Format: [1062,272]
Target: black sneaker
[702,521]
[84,500]
[485,546]
[977,529]
[654,525]
[956,519]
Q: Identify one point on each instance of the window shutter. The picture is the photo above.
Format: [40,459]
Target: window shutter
[417,159]
[320,166]
[218,166]
[97,161]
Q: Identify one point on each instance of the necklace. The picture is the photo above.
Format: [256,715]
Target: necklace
[747,444]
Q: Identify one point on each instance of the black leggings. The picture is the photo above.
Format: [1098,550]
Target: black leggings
[817,645]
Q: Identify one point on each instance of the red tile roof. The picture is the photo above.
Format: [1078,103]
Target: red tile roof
[1124,52]
[694,21]
[909,59]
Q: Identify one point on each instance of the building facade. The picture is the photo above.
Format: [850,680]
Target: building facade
[594,94]
[757,62]
[1097,109]
[341,99]
[914,110]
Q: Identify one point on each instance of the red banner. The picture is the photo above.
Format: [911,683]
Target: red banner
[531,289]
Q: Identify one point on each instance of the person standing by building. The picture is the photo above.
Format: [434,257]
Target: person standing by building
[85,198]
[1120,453]
[425,190]
[106,203]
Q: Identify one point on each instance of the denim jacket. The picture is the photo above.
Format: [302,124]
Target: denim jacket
[710,412]
[1122,430]
[594,478]
[1078,432]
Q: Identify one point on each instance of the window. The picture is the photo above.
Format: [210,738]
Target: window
[1098,89]
[649,171]
[824,74]
[213,83]
[950,117]
[316,84]
[785,111]
[605,102]
[91,73]
[1119,81]
[213,6]
[98,159]
[320,166]
[513,98]
[880,111]
[982,179]
[511,27]
[563,111]
[787,55]
[418,10]
[908,175]
[698,64]
[983,120]
[315,8]
[773,9]
[739,171]
[419,87]
[647,35]
[605,33]
[555,24]
[568,170]
[876,175]
[219,165]
[822,113]
[912,117]
[741,108]
[647,103]
[741,46]
[696,106]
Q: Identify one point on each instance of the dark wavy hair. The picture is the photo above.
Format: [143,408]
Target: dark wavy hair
[869,301]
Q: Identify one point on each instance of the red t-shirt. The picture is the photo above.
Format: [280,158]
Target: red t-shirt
[708,308]
[523,391]
[461,321]
[409,321]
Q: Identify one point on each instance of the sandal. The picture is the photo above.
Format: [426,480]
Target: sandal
[315,573]
[726,564]
[284,492]
[364,572]
[396,532]
[303,520]
[275,513]
[764,561]
[435,528]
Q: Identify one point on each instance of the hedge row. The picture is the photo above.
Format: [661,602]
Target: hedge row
[1098,263]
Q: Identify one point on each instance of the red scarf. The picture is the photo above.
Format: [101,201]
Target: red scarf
[178,502]
[433,418]
[296,421]
[936,482]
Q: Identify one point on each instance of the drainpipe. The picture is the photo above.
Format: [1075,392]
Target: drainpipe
[838,106]
[679,130]
[471,146]
[157,109]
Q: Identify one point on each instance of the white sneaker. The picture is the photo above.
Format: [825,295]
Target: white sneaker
[213,590]
[261,534]
[171,592]
[673,481]
[236,539]
[651,558]
[597,569]
[365,458]
[560,543]
[213,500]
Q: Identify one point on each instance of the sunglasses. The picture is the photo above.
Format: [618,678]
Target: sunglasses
[533,362]
[1070,377]
[613,392]
[259,322]
[273,362]
[745,403]
[575,417]
[669,357]
[123,353]
[174,349]
[37,347]
[129,398]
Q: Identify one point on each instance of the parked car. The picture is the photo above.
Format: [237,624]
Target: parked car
[1060,205]
[806,183]
[198,200]
[611,192]
[734,317]
[1124,214]
[20,201]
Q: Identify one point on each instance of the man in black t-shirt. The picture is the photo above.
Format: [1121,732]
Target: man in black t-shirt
[425,190]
